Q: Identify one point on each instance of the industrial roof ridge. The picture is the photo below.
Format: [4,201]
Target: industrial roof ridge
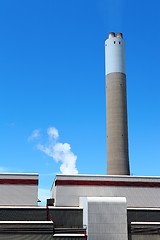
[7,173]
[96,175]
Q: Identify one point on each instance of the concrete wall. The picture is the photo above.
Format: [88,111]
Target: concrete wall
[137,196]
[116,107]
[117,129]
[18,189]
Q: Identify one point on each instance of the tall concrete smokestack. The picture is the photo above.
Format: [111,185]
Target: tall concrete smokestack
[116,106]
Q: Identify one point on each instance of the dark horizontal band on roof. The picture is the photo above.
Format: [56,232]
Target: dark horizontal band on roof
[19,181]
[106,183]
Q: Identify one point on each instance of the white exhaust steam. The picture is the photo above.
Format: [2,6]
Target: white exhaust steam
[60,152]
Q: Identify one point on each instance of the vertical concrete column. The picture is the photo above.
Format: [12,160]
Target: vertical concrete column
[116,106]
[105,217]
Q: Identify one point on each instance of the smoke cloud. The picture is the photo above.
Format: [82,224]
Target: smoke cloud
[53,133]
[34,135]
[60,152]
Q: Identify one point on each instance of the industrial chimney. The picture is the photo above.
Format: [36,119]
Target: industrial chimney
[116,106]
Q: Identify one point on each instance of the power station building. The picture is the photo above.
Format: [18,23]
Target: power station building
[115,206]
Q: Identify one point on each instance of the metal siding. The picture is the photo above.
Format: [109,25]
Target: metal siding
[107,183]
[136,196]
[143,215]
[69,238]
[14,193]
[18,194]
[105,218]
[19,175]
[145,237]
[35,230]
[66,218]
[144,232]
[10,236]
[28,231]
[22,214]
[106,178]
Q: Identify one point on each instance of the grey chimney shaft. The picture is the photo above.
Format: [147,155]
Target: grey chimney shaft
[116,106]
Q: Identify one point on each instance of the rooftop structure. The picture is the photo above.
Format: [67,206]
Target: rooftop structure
[19,189]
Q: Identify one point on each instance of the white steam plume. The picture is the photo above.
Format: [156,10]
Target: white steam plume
[60,152]
[53,132]
[35,135]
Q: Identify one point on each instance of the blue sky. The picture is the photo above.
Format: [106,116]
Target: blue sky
[52,75]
